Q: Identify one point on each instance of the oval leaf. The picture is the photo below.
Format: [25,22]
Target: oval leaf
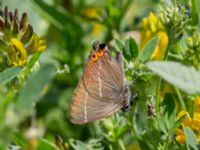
[169,110]
[9,74]
[32,91]
[78,145]
[183,77]
[46,145]
[119,45]
[131,48]
[148,49]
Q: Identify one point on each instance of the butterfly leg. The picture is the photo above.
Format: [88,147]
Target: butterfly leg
[125,108]
[126,101]
[119,59]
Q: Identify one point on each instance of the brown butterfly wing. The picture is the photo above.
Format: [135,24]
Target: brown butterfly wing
[99,92]
[86,108]
[105,79]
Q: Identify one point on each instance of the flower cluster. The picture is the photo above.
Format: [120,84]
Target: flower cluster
[17,39]
[153,27]
[175,19]
[192,122]
[192,54]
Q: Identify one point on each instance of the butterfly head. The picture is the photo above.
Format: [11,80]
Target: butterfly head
[98,51]
[98,45]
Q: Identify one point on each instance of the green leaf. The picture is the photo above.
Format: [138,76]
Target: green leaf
[3,45]
[169,111]
[56,16]
[194,12]
[183,77]
[19,139]
[140,117]
[119,45]
[9,74]
[169,107]
[168,104]
[3,147]
[148,49]
[179,121]
[31,63]
[32,91]
[122,130]
[191,139]
[78,145]
[46,145]
[131,48]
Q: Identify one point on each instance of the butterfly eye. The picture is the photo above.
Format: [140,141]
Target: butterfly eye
[94,57]
[100,53]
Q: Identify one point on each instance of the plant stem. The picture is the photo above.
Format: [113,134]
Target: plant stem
[121,144]
[158,86]
[166,145]
[158,95]
[30,64]
[180,98]
[191,106]
[174,2]
[167,49]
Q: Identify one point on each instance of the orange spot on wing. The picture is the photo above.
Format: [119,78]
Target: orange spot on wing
[94,57]
[100,53]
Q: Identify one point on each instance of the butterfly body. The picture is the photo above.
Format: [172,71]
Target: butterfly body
[102,89]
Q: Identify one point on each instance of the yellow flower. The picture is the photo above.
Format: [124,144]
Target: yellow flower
[196,121]
[190,41]
[197,104]
[145,23]
[37,44]
[134,147]
[160,48]
[180,136]
[42,44]
[192,122]
[92,12]
[152,18]
[187,120]
[153,27]
[17,53]
[21,41]
[97,28]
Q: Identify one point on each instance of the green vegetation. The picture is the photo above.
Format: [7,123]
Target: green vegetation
[44,46]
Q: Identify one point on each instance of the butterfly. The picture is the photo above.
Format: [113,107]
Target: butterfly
[102,90]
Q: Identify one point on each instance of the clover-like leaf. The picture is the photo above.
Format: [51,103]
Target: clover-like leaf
[148,49]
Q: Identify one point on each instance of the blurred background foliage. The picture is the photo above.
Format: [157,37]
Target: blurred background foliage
[35,98]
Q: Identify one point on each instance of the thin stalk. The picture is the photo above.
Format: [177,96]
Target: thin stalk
[158,86]
[176,57]
[30,64]
[167,49]
[166,144]
[158,95]
[191,106]
[174,2]
[4,103]
[121,144]
[180,98]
